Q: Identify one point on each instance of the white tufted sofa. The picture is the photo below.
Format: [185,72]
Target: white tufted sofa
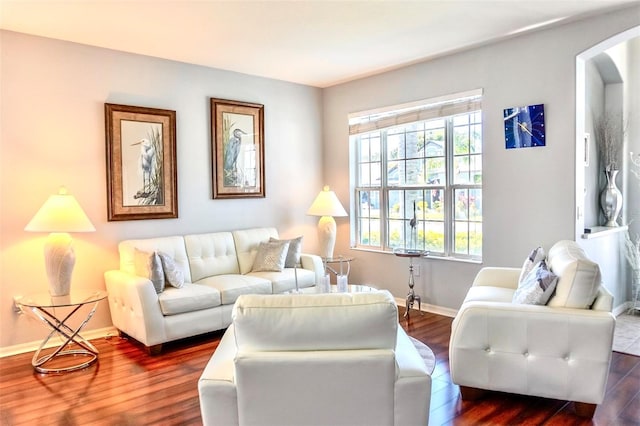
[317,359]
[217,269]
[561,350]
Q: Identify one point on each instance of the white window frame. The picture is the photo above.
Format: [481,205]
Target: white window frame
[381,120]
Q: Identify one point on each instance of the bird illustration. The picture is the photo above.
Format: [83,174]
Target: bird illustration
[413,222]
[146,161]
[232,150]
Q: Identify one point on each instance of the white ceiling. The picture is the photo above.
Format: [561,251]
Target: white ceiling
[318,43]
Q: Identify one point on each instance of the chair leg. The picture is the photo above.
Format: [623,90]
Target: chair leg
[471,394]
[584,409]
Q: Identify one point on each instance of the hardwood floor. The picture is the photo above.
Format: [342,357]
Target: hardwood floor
[128,387]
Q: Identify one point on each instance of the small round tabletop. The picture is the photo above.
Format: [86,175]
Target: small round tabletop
[75,298]
[410,253]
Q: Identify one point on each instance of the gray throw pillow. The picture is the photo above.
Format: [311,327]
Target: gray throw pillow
[537,287]
[271,256]
[536,255]
[148,265]
[293,254]
[174,275]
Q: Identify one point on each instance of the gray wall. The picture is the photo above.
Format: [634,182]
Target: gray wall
[529,194]
[52,133]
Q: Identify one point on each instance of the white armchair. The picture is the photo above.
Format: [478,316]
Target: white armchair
[320,359]
[561,350]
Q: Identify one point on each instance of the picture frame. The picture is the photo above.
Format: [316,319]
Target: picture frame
[524,127]
[142,179]
[237,149]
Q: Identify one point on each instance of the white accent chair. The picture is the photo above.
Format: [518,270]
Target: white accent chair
[561,350]
[319,359]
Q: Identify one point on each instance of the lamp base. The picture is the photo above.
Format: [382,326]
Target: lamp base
[327,236]
[59,261]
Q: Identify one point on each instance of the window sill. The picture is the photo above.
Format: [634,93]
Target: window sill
[602,231]
[430,256]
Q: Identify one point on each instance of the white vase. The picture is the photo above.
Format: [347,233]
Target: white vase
[611,199]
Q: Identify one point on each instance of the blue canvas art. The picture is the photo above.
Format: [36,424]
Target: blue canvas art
[524,126]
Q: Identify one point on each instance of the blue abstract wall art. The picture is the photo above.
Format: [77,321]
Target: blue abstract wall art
[524,127]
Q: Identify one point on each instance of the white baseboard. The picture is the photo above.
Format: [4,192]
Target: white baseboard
[621,309]
[434,309]
[33,346]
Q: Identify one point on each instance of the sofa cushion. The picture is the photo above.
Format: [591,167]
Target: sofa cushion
[148,265]
[536,255]
[537,286]
[173,246]
[487,293]
[191,297]
[349,321]
[247,242]
[271,256]
[286,280]
[579,277]
[211,254]
[294,251]
[173,275]
[234,285]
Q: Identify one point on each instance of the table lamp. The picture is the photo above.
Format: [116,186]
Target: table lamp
[59,215]
[326,205]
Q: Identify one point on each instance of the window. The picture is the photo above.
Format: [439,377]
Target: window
[418,177]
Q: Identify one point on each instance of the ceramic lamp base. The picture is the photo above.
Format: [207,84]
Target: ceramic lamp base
[59,262]
[327,236]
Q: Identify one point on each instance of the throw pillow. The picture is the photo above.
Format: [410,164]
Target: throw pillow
[537,286]
[148,265]
[173,275]
[536,255]
[271,256]
[293,254]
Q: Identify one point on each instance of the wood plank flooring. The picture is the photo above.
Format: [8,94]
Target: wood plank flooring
[128,387]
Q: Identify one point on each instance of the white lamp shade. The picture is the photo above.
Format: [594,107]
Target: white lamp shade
[60,213]
[326,204]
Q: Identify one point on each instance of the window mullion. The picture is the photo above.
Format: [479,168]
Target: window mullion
[449,223]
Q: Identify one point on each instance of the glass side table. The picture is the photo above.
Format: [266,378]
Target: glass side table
[47,309]
[340,261]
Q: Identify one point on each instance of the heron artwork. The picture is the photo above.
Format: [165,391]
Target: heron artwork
[231,152]
[147,166]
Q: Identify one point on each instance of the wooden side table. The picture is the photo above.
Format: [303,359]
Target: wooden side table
[56,312]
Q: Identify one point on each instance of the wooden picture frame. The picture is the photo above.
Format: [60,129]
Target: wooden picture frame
[237,149]
[141,163]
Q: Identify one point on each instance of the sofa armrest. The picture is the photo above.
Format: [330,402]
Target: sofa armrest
[559,353]
[313,263]
[134,307]
[498,277]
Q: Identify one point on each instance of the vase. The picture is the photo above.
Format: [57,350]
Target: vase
[611,199]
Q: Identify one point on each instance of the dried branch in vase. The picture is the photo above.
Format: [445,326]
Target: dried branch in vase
[609,135]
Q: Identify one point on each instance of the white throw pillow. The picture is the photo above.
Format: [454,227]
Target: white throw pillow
[293,254]
[271,256]
[173,275]
[537,287]
[148,265]
[536,255]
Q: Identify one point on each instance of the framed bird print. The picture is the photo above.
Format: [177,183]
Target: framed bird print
[237,139]
[524,127]
[141,163]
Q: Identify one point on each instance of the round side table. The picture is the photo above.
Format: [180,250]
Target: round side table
[45,307]
[411,296]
